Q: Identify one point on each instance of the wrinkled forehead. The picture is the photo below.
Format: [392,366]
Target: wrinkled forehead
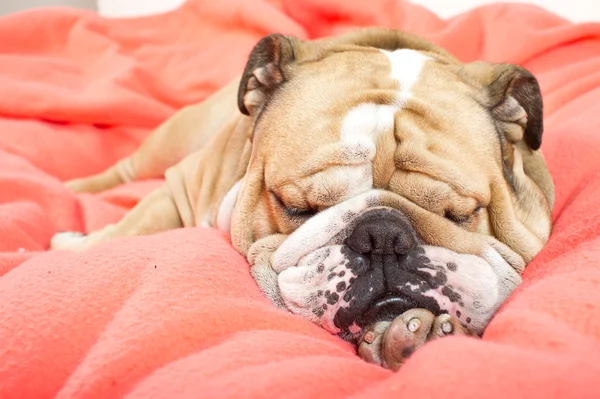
[360,96]
[314,103]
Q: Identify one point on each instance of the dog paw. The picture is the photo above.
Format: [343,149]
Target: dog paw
[405,335]
[69,240]
[390,344]
[444,325]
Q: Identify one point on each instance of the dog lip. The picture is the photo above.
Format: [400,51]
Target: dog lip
[388,299]
[386,306]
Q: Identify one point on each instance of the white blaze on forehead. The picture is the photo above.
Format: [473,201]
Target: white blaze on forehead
[363,124]
[360,129]
[406,66]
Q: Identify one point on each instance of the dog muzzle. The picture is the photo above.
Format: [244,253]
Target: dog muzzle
[361,261]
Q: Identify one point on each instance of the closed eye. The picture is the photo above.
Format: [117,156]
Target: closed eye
[292,212]
[462,219]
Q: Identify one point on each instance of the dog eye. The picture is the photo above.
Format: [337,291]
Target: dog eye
[296,213]
[462,219]
[293,212]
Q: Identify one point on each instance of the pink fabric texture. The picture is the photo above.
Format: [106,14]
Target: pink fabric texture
[177,314]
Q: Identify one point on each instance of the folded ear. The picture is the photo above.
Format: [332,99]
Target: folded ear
[520,209]
[513,96]
[265,71]
[514,99]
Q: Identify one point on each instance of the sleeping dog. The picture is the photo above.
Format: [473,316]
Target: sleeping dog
[377,186]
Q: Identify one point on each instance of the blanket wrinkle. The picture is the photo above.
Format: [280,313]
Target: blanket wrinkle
[177,314]
[244,346]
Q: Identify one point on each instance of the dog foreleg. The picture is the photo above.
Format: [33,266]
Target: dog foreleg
[188,130]
[154,213]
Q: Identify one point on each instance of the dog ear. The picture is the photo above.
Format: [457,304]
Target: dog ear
[513,96]
[518,101]
[265,71]
[520,209]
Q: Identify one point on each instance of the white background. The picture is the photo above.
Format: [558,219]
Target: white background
[574,10]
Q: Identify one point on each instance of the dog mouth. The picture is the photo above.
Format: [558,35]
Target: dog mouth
[361,263]
[388,306]
[383,308]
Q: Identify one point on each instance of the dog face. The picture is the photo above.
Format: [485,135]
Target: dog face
[385,176]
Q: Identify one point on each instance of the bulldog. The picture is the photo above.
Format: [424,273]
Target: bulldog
[376,185]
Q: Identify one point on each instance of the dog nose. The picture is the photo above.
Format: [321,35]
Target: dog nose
[382,232]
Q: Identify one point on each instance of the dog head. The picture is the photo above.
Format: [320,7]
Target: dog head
[385,175]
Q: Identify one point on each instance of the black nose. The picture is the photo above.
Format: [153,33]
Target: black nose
[382,232]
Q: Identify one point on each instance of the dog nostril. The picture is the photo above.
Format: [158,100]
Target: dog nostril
[359,264]
[360,240]
[404,244]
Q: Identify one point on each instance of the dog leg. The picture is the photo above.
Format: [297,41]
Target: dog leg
[121,172]
[185,132]
[154,213]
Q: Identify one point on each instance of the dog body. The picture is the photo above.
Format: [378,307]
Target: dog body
[376,185]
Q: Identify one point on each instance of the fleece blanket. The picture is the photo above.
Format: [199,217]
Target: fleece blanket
[177,314]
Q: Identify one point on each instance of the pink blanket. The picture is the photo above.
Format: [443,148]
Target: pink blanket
[177,314]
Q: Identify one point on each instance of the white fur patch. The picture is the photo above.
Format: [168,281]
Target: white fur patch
[406,68]
[69,240]
[304,288]
[508,276]
[360,129]
[481,289]
[363,124]
[226,209]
